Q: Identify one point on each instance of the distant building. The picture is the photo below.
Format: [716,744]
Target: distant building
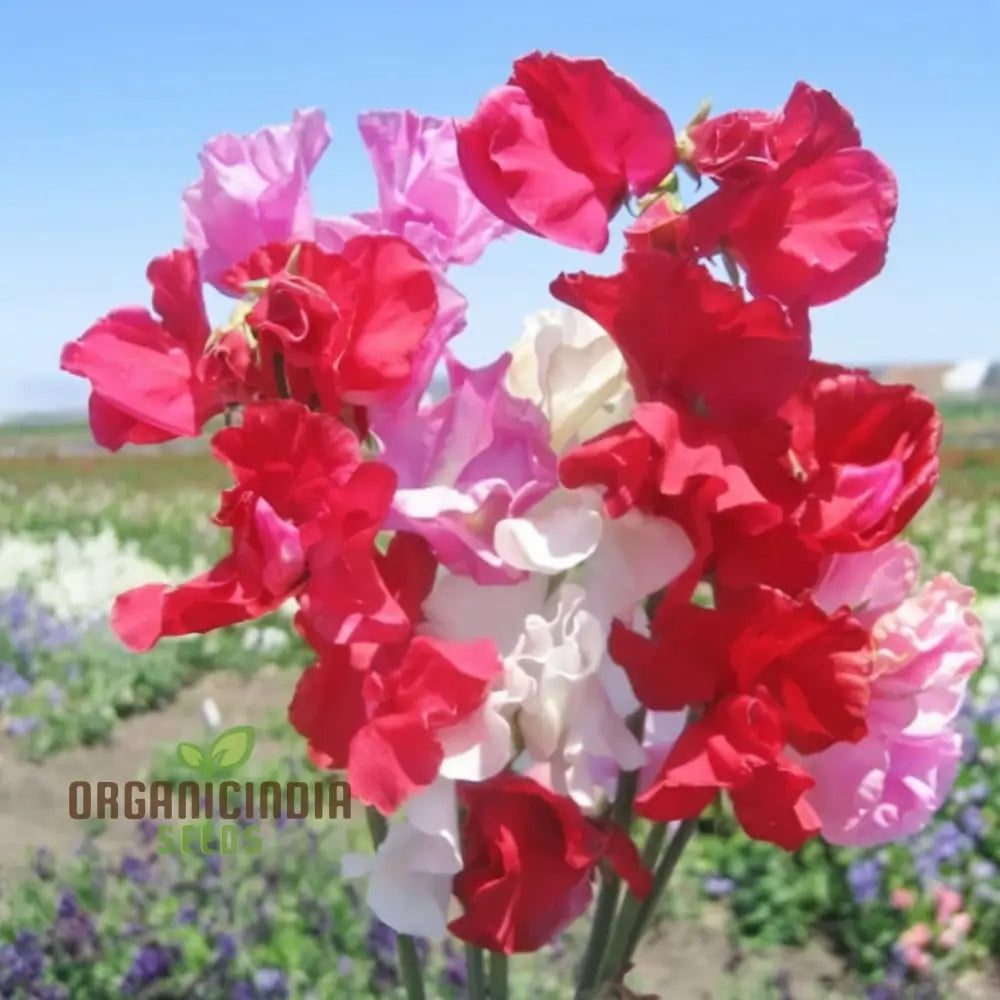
[928,379]
[945,380]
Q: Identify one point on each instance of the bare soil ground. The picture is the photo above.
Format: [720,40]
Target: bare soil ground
[681,961]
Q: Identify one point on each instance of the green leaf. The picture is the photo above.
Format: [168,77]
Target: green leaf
[233,747]
[190,755]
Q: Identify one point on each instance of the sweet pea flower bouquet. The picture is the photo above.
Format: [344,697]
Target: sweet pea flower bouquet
[647,558]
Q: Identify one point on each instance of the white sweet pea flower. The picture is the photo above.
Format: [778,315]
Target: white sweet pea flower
[569,366]
[619,561]
[410,876]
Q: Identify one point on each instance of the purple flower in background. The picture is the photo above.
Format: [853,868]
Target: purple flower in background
[15,608]
[382,940]
[12,684]
[135,869]
[49,991]
[20,725]
[271,984]
[949,842]
[21,963]
[972,794]
[73,929]
[151,962]
[972,821]
[454,972]
[187,915]
[717,886]
[983,870]
[225,946]
[344,965]
[147,831]
[864,878]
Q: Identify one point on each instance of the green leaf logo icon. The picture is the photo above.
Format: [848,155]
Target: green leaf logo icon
[232,747]
[191,756]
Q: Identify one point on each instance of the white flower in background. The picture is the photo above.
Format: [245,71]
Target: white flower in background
[210,714]
[77,578]
[410,876]
[568,365]
[265,638]
[567,699]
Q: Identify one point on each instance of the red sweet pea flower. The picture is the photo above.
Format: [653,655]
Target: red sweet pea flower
[863,460]
[436,685]
[147,386]
[304,514]
[801,206]
[670,462]
[693,341]
[689,342]
[530,856]
[557,150]
[744,145]
[339,328]
[328,707]
[768,671]
[665,460]
[736,747]
[282,451]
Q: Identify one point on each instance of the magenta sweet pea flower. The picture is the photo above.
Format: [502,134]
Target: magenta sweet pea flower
[928,643]
[254,189]
[477,457]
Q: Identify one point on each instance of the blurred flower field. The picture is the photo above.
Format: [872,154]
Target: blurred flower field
[910,920]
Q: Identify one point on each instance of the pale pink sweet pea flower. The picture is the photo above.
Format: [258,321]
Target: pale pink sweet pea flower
[927,645]
[254,189]
[476,457]
[410,875]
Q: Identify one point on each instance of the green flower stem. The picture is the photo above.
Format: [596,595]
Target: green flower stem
[409,963]
[498,976]
[607,899]
[665,869]
[629,913]
[475,968]
[409,967]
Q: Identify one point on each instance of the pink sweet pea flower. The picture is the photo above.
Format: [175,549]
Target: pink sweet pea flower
[254,189]
[422,193]
[947,903]
[927,645]
[477,457]
[423,197]
[902,899]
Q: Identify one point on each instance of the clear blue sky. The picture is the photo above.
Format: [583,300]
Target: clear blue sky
[104,106]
